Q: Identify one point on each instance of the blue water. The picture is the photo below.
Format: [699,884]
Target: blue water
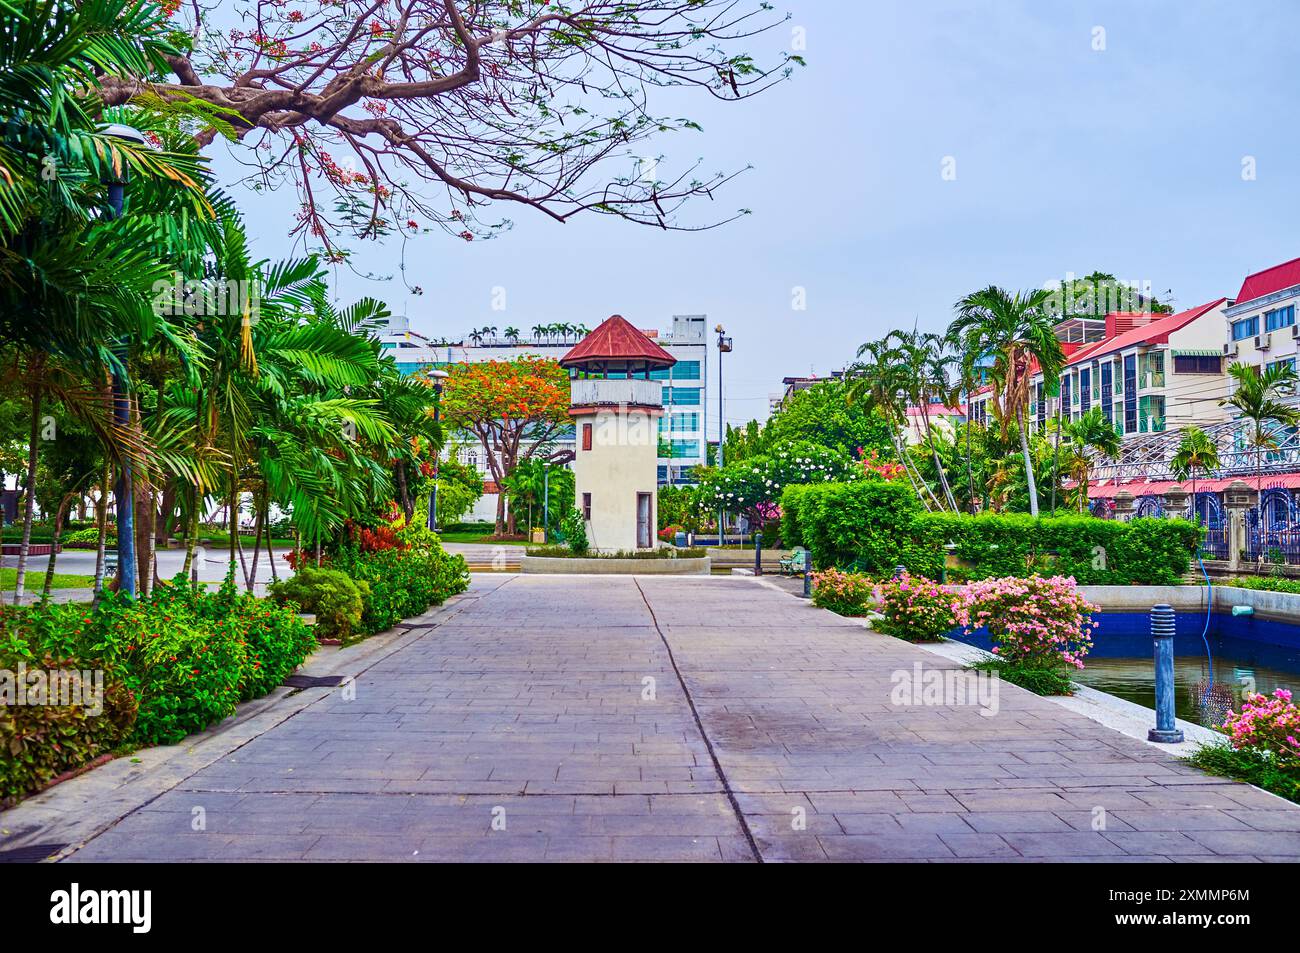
[1249,653]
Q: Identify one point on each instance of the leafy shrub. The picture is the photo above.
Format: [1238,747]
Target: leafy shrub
[845,593]
[333,596]
[1266,583]
[402,582]
[669,533]
[1040,681]
[574,529]
[188,657]
[564,552]
[1252,765]
[86,539]
[916,608]
[38,742]
[873,525]
[1035,623]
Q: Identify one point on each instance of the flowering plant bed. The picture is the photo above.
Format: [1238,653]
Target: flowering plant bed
[844,593]
[1041,628]
[1263,745]
[916,608]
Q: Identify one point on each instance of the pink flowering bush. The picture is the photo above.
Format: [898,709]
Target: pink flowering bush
[847,593]
[1035,623]
[1269,724]
[916,608]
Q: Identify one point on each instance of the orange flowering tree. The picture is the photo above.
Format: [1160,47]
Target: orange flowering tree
[515,410]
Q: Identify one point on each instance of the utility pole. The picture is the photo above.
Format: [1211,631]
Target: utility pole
[724,347]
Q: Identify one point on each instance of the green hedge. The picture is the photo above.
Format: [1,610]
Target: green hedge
[875,525]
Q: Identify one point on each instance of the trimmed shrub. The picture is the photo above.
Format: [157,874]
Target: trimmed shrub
[333,596]
[875,525]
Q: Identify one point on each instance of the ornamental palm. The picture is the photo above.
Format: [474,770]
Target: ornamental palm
[928,366]
[1017,330]
[1090,436]
[1258,398]
[1197,452]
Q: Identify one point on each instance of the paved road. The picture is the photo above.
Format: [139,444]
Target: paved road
[546,720]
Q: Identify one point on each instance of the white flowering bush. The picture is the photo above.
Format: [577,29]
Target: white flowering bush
[753,486]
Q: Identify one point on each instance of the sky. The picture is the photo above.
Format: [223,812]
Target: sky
[928,149]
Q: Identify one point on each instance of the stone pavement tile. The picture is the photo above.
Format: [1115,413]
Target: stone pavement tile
[991,846]
[869,847]
[779,825]
[1191,819]
[864,802]
[999,801]
[116,845]
[368,847]
[1169,843]
[1088,820]
[1196,796]
[1062,846]
[1267,820]
[791,848]
[1021,822]
[666,847]
[1249,842]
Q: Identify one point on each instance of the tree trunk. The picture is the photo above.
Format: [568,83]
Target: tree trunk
[192,537]
[970,473]
[55,538]
[101,523]
[1029,465]
[270,548]
[404,492]
[33,452]
[257,543]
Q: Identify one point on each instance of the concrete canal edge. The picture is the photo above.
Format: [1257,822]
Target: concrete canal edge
[1274,606]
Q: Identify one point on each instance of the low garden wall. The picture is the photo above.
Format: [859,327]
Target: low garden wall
[688,566]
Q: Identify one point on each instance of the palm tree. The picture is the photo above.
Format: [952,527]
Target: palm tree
[1196,452]
[928,365]
[879,380]
[1017,330]
[1089,436]
[538,331]
[512,335]
[1258,398]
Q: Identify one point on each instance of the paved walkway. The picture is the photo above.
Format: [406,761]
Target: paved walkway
[546,720]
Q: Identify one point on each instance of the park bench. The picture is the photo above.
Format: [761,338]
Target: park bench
[795,563]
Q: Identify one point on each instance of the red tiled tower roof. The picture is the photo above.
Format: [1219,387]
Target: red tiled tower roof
[616,340]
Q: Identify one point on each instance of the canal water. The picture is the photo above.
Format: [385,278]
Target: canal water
[1248,654]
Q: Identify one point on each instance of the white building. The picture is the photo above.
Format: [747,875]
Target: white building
[684,392]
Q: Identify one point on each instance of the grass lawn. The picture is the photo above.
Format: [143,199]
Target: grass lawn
[36,580]
[480,538]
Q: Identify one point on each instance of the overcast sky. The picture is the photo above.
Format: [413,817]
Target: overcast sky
[1127,159]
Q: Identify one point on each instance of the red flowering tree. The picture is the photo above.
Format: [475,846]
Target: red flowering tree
[515,409]
[364,104]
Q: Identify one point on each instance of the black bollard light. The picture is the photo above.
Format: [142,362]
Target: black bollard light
[1162,635]
[807,579]
[758,554]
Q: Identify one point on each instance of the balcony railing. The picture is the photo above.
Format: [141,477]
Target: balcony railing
[612,393]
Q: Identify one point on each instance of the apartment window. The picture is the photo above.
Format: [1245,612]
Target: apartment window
[1085,389]
[1285,362]
[1198,364]
[682,396]
[1245,328]
[1279,318]
[686,371]
[1130,394]
[1041,408]
[586,506]
[685,448]
[586,436]
[1107,406]
[679,423]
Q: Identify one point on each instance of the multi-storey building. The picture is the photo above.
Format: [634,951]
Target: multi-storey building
[1146,372]
[685,387]
[1262,327]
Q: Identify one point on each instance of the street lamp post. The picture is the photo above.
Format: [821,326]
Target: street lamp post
[124,490]
[724,346]
[438,377]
